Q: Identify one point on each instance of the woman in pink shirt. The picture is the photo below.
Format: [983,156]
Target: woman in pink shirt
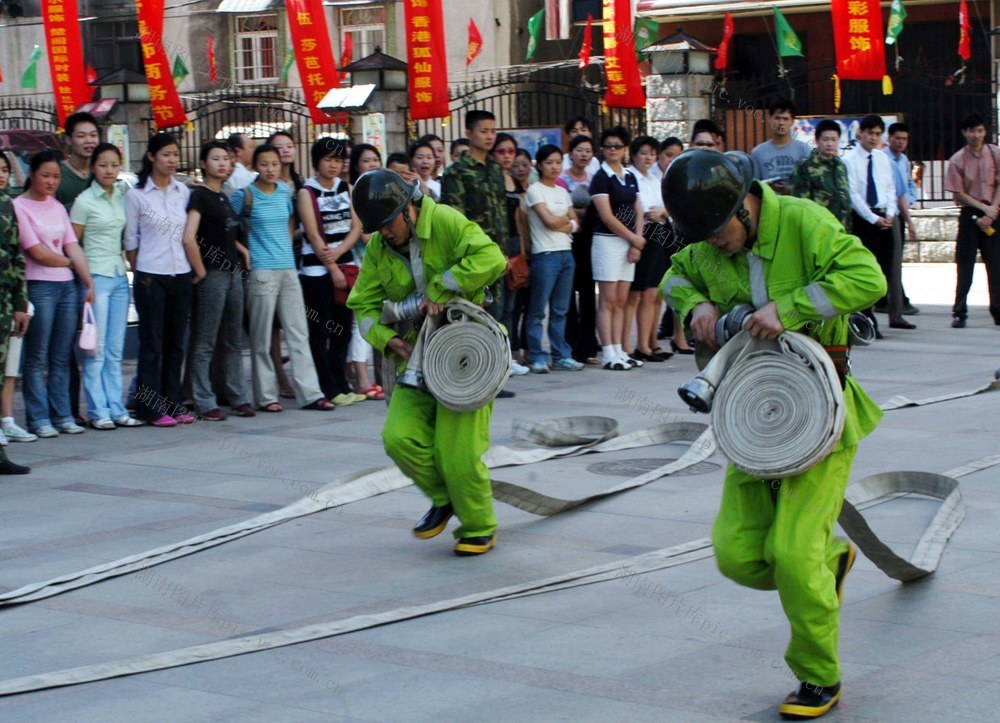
[51,255]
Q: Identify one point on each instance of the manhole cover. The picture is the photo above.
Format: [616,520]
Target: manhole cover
[636,467]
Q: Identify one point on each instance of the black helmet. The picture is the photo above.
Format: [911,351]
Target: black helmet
[703,189]
[379,196]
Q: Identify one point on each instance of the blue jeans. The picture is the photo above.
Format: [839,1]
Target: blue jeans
[102,370]
[551,286]
[48,347]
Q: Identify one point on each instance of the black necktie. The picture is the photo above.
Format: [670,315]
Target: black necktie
[871,195]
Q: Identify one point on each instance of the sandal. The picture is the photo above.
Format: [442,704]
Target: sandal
[375,391]
[272,407]
[287,392]
[322,405]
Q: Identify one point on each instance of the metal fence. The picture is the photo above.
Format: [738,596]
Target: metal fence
[931,104]
[533,100]
[27,114]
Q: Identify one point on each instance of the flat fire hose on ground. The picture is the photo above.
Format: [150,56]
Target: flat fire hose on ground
[565,437]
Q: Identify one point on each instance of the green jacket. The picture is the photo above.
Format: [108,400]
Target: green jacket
[458,258]
[478,191]
[824,180]
[12,281]
[803,260]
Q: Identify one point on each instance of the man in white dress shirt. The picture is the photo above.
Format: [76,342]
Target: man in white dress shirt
[875,207]
[241,150]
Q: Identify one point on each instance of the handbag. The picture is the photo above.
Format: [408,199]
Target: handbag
[88,334]
[350,272]
[518,274]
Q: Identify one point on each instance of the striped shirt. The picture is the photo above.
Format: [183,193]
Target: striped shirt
[270,243]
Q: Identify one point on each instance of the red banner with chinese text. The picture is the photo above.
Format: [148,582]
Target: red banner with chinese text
[428,64]
[168,112]
[313,55]
[65,51]
[858,39]
[620,65]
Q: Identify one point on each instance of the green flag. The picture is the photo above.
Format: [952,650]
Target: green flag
[180,71]
[29,78]
[646,32]
[897,14]
[535,23]
[789,44]
[289,59]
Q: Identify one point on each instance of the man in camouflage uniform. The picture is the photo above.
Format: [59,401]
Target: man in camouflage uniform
[13,301]
[474,184]
[822,177]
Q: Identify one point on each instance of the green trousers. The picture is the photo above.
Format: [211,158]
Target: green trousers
[442,452]
[778,534]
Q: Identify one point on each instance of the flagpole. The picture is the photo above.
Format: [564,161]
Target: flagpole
[782,73]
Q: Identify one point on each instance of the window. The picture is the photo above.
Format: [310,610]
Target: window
[115,45]
[366,26]
[255,51]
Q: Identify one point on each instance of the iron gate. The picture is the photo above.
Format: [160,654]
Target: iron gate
[258,112]
[533,97]
[27,114]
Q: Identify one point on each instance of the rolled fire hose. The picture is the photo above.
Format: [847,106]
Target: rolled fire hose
[461,356]
[777,406]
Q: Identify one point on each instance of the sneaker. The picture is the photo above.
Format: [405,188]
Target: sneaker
[46,431]
[127,420]
[958,322]
[518,370]
[567,365]
[539,368]
[244,410]
[3,440]
[468,546]
[810,701]
[164,421]
[8,467]
[102,424]
[70,428]
[626,359]
[214,415]
[184,418]
[15,434]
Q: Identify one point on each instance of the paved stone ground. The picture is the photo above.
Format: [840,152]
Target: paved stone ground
[926,651]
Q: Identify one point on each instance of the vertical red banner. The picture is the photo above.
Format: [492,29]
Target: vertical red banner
[168,111]
[62,36]
[428,64]
[858,39]
[313,54]
[620,65]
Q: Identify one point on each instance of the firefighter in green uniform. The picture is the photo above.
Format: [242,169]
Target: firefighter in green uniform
[421,247]
[13,294]
[795,263]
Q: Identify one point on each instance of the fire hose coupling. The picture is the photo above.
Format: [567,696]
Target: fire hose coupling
[406,310]
[730,324]
[861,329]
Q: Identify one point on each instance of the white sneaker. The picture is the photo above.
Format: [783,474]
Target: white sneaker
[15,434]
[3,440]
[518,370]
[70,428]
[46,431]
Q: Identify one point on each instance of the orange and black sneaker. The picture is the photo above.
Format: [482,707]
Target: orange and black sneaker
[468,546]
[810,701]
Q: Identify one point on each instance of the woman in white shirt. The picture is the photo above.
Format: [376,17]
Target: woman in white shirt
[422,162]
[551,220]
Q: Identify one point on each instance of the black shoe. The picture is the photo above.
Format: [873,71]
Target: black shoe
[881,308]
[434,522]
[680,350]
[8,467]
[878,334]
[844,567]
[958,322]
[468,546]
[901,324]
[810,701]
[504,394]
[910,310]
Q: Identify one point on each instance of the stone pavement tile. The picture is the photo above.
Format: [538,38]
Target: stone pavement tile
[949,698]
[926,606]
[137,699]
[972,572]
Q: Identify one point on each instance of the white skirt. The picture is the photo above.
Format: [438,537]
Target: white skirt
[609,258]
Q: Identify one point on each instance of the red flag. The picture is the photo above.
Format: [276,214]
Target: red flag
[620,65]
[858,40]
[213,67]
[91,73]
[588,42]
[313,55]
[964,37]
[722,54]
[168,111]
[346,55]
[475,43]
